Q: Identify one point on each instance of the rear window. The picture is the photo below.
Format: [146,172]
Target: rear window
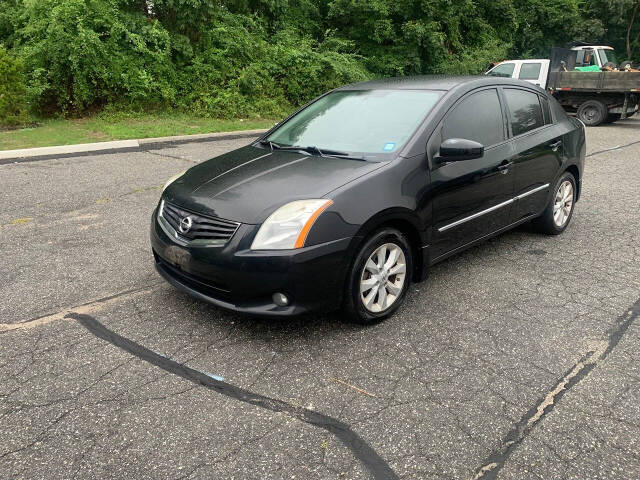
[525,111]
[529,71]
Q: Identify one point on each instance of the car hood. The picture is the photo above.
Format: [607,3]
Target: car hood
[248,184]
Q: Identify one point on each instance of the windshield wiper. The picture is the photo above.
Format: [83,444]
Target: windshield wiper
[325,152]
[311,149]
[269,143]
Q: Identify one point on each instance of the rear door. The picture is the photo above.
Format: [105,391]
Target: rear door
[471,198]
[538,149]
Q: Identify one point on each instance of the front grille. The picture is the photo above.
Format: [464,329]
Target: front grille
[213,229]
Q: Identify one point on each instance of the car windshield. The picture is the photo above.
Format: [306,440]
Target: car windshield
[372,124]
[607,56]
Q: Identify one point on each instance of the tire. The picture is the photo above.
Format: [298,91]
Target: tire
[592,112]
[362,274]
[613,117]
[551,221]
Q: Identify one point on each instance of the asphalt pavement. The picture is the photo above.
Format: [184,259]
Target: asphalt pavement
[517,359]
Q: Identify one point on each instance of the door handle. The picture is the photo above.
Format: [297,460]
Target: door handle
[555,145]
[504,167]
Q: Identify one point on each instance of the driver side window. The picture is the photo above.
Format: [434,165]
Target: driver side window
[477,117]
[503,70]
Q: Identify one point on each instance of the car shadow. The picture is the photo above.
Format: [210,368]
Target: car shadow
[335,322]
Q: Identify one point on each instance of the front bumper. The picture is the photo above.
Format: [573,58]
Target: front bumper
[236,278]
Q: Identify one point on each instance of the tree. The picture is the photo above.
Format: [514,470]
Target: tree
[12,90]
[633,17]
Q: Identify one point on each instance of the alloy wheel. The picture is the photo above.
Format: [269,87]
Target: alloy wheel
[383,277]
[563,203]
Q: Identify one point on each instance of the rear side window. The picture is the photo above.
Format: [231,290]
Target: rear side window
[529,71]
[503,70]
[524,109]
[546,110]
[477,117]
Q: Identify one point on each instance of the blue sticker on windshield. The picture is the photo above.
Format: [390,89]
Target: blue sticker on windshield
[388,147]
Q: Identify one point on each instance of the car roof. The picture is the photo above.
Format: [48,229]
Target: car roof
[431,82]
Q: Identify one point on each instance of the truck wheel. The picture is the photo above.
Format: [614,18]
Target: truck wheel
[592,112]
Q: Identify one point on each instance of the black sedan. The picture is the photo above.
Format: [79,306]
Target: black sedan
[358,193]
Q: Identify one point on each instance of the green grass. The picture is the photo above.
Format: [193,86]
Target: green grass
[120,126]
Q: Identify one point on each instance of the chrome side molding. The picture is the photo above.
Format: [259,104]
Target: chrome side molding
[526,194]
[495,207]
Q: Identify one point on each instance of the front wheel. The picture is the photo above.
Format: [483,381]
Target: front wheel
[379,277]
[556,217]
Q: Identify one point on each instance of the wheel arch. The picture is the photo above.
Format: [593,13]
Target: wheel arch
[573,170]
[407,223]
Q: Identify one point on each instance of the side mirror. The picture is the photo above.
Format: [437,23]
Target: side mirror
[456,149]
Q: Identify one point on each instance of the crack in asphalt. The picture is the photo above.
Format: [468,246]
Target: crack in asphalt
[166,155]
[361,450]
[617,147]
[494,462]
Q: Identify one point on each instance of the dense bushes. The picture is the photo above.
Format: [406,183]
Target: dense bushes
[237,72]
[12,90]
[229,58]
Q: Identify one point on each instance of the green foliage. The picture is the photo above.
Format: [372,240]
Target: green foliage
[12,90]
[262,58]
[611,21]
[82,54]
[238,72]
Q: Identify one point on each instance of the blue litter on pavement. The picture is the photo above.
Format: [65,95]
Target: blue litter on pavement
[215,377]
[210,375]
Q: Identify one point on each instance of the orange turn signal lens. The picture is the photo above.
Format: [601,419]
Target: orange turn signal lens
[302,237]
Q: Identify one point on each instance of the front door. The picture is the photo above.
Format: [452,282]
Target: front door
[472,198]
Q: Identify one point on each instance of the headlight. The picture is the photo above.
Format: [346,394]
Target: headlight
[173,179]
[288,226]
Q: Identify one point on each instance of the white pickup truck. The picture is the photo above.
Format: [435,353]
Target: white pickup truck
[575,77]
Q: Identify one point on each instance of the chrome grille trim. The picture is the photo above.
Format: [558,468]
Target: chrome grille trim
[204,230]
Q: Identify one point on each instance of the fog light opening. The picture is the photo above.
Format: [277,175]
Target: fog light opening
[280,299]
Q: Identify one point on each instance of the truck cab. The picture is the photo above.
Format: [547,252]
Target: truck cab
[594,56]
[533,71]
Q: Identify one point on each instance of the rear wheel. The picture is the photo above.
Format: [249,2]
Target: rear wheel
[379,277]
[556,217]
[592,112]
